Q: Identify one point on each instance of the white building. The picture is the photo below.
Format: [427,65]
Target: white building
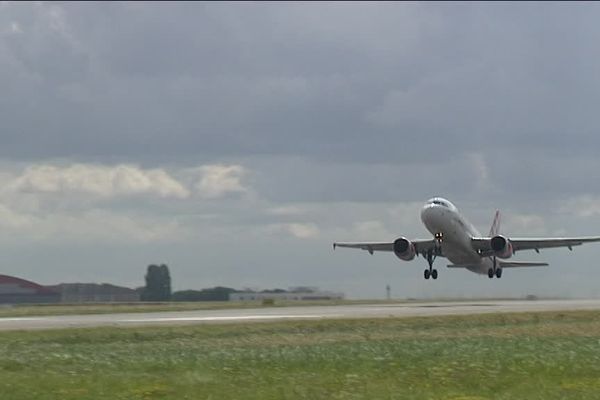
[295,293]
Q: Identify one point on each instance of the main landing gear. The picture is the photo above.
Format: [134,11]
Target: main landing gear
[495,270]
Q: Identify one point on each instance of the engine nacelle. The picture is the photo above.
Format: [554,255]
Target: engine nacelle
[501,247]
[404,249]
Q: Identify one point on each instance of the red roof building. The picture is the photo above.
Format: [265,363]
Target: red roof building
[17,290]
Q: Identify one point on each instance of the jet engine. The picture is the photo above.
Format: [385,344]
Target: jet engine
[404,249]
[501,246]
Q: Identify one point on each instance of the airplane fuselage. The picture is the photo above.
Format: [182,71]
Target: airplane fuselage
[443,218]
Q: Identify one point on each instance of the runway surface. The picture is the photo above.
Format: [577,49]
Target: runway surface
[294,313]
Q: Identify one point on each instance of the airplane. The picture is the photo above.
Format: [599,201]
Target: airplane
[456,239]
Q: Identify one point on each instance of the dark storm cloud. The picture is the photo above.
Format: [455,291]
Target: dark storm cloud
[356,82]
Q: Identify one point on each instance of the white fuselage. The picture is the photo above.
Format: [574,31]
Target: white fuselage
[444,218]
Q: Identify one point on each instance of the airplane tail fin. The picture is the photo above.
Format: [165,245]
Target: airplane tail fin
[495,229]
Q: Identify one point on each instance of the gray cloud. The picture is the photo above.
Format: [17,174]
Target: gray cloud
[319,81]
[274,129]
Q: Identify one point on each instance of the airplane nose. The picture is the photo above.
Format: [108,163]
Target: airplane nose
[431,214]
[425,213]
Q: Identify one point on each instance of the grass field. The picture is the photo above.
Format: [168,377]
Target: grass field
[27,310]
[504,356]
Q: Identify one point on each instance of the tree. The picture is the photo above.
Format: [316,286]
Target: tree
[158,284]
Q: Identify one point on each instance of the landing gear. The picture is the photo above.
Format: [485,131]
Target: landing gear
[495,270]
[431,272]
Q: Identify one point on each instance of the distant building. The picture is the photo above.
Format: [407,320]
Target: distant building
[295,293]
[95,293]
[16,290]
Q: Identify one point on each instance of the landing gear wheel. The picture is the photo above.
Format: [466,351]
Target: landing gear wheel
[434,273]
[426,274]
[499,273]
[491,273]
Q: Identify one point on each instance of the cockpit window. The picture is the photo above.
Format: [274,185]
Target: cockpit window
[440,203]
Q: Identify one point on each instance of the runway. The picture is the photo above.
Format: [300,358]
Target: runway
[399,310]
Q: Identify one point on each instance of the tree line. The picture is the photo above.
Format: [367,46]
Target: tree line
[158,288]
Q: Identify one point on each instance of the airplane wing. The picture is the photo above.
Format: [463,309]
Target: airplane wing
[504,264]
[519,264]
[421,245]
[483,244]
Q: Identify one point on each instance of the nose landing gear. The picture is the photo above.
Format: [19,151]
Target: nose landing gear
[431,255]
[431,272]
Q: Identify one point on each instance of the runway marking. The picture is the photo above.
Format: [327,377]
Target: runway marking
[454,305]
[9,319]
[232,318]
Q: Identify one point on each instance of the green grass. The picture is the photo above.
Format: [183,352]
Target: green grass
[28,310]
[501,356]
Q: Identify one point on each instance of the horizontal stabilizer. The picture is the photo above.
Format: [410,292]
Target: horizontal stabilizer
[518,264]
[462,266]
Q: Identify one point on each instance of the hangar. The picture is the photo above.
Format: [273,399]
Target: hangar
[95,293]
[16,290]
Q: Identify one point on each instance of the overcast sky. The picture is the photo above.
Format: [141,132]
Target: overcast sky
[236,141]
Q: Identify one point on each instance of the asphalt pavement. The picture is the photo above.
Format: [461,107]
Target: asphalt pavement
[411,309]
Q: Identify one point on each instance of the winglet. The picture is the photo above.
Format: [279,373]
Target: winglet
[334,245]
